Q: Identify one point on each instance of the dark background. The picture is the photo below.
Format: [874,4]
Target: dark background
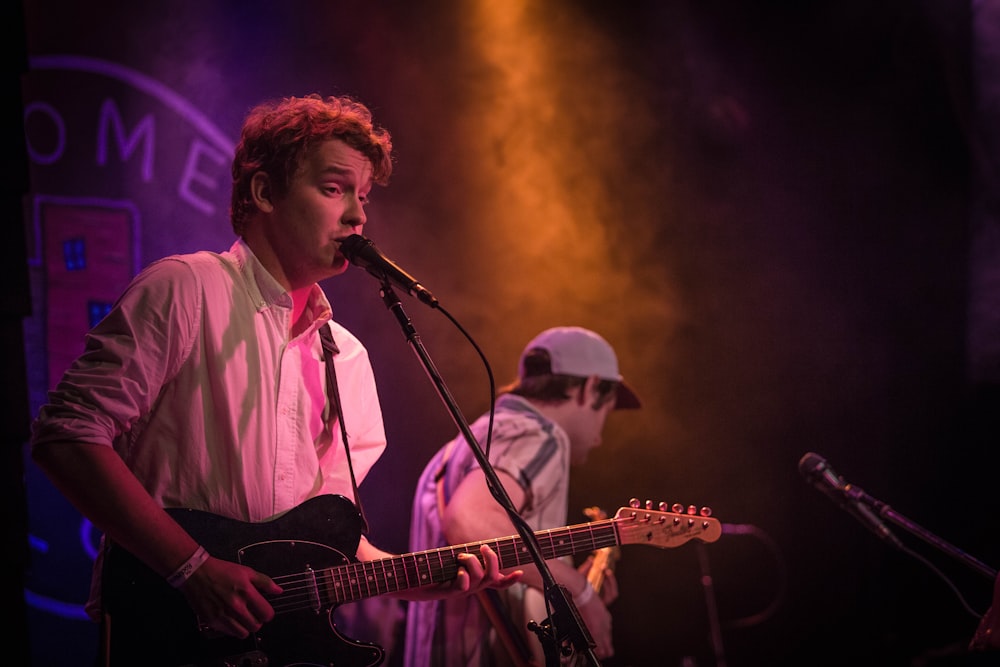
[781,214]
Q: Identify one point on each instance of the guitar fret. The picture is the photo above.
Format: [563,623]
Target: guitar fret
[339,577]
[384,578]
[371,578]
[449,568]
[335,585]
[352,585]
[410,572]
[391,582]
[376,577]
[507,553]
[521,552]
[604,536]
[360,580]
[401,576]
[422,570]
[588,533]
[440,568]
[325,585]
[583,539]
[365,581]
[313,589]
[554,545]
[344,583]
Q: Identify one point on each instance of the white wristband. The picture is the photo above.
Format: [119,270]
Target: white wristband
[185,571]
[585,595]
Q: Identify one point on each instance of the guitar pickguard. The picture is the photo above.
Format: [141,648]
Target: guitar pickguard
[306,636]
[152,624]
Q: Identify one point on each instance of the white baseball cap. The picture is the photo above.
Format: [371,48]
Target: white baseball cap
[582,353]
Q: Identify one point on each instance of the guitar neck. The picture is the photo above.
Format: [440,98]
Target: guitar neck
[360,580]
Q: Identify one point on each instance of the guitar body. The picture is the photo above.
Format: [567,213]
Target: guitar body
[150,623]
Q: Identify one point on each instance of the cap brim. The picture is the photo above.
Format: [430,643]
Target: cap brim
[627,399]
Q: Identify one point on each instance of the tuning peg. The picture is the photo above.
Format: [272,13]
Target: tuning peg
[677,508]
[634,503]
[705,511]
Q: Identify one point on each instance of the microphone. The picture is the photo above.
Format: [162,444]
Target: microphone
[360,251]
[819,473]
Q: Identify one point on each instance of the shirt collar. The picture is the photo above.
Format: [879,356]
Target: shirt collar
[515,403]
[267,291]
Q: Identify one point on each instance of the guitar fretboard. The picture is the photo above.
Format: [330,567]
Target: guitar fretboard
[356,581]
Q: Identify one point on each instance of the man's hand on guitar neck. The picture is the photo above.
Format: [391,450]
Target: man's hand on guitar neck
[474,574]
[229,598]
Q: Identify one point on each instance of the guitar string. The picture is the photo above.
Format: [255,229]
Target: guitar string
[354,581]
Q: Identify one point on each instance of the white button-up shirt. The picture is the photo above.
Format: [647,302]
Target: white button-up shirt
[193,379]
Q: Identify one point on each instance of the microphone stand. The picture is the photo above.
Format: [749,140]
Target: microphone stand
[887,512]
[565,623]
[708,586]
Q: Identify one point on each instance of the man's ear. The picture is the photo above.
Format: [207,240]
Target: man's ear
[261,191]
[592,391]
[588,391]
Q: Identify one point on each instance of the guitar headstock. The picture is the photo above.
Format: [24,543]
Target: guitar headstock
[665,526]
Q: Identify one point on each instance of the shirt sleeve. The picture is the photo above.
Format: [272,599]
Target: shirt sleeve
[531,455]
[128,356]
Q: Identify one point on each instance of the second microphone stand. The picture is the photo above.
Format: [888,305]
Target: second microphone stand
[882,509]
[564,626]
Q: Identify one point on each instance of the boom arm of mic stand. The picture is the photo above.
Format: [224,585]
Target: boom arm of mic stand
[892,515]
[564,610]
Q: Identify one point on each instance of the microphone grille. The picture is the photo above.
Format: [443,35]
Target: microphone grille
[811,463]
[353,246]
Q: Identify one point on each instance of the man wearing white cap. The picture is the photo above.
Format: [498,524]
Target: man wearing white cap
[549,419]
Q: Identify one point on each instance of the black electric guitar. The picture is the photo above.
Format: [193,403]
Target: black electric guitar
[309,552]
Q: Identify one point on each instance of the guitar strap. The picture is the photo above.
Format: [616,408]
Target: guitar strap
[489,598]
[333,392]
